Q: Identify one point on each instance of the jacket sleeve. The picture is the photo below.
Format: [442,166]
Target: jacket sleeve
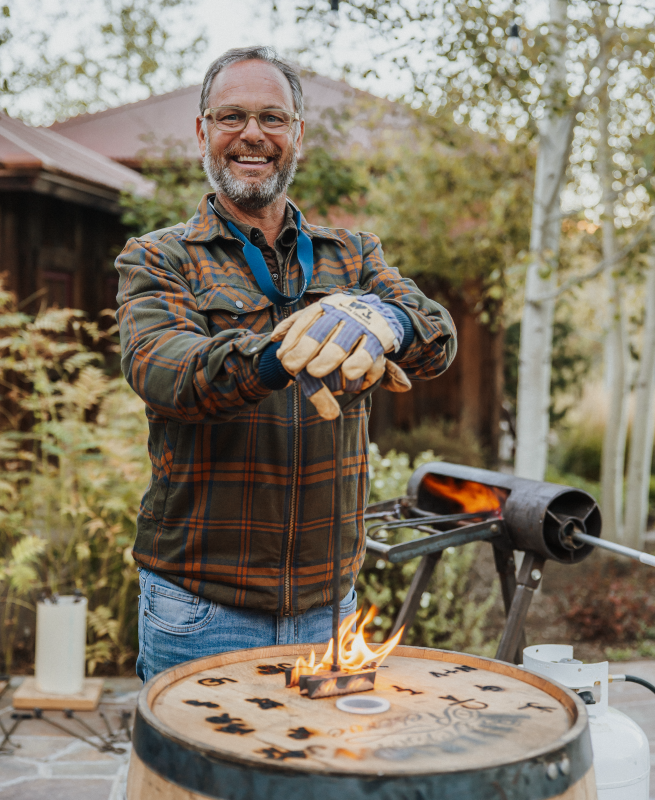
[435,341]
[167,354]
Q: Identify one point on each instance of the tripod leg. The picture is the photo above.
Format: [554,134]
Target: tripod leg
[505,567]
[528,580]
[418,586]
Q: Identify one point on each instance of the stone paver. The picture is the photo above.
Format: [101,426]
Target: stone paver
[15,769]
[49,764]
[59,790]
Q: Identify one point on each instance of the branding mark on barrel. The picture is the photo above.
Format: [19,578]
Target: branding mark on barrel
[265,702]
[200,703]
[275,754]
[457,730]
[273,669]
[223,719]
[230,724]
[462,668]
[216,681]
[235,727]
[478,705]
[300,733]
[490,688]
[411,691]
[537,707]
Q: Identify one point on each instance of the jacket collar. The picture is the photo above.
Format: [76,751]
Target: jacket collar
[205,226]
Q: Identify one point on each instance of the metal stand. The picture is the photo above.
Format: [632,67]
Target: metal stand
[505,567]
[528,580]
[419,584]
[106,743]
[517,595]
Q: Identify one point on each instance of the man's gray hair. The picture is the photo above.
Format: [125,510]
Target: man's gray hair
[257,53]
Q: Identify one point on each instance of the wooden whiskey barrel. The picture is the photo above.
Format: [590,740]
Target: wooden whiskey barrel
[459,727]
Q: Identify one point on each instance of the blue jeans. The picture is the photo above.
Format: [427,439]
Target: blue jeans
[176,626]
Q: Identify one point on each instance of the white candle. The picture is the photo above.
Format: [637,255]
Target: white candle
[60,645]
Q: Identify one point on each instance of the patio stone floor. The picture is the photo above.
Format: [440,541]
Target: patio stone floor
[48,764]
[51,765]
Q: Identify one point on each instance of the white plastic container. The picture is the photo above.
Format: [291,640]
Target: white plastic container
[60,645]
[621,749]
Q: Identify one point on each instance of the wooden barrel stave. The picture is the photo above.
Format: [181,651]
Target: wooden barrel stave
[167,763]
[145,784]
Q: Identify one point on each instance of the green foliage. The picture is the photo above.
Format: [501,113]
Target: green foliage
[448,440]
[326,179]
[179,182]
[73,465]
[553,475]
[570,365]
[449,617]
[578,449]
[451,207]
[127,49]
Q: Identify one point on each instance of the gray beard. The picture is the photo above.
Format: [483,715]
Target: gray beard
[247,195]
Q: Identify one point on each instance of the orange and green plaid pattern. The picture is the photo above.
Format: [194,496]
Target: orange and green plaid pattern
[234,465]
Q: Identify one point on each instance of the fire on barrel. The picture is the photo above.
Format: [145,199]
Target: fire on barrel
[357,662]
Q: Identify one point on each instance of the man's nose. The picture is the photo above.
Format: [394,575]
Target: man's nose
[251,132]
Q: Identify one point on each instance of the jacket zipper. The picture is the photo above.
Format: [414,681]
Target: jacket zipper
[294,485]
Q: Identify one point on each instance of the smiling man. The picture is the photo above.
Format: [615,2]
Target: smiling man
[241,330]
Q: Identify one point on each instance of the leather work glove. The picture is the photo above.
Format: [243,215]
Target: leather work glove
[343,339]
[322,392]
[338,331]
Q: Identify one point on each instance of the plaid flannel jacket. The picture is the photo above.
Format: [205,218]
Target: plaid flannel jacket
[240,505]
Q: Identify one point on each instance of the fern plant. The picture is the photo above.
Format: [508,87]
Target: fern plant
[73,463]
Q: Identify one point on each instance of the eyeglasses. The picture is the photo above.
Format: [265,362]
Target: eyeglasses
[233,119]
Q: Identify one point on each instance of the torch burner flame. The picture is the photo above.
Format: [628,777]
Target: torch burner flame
[471,496]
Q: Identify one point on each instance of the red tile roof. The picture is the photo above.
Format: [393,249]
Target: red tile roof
[122,133]
[25,150]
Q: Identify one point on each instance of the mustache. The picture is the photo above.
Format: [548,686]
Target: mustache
[238,149]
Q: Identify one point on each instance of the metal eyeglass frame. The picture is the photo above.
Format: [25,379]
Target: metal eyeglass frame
[209,114]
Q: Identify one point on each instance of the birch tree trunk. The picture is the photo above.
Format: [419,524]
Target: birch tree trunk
[616,424]
[533,396]
[616,353]
[641,439]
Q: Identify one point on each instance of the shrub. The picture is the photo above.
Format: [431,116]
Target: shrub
[448,617]
[612,607]
[446,439]
[73,464]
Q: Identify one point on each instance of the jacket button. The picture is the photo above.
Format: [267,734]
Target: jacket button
[235,316]
[239,304]
[275,276]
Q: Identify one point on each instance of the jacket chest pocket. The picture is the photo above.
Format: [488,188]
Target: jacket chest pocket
[229,307]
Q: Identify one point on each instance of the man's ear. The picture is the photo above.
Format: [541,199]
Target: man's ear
[201,134]
[301,134]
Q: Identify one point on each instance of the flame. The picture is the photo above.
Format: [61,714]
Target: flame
[470,495]
[354,653]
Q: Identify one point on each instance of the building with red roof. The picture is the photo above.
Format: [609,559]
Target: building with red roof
[60,217]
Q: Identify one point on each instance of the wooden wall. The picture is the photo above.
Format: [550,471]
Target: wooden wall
[56,251]
[469,392]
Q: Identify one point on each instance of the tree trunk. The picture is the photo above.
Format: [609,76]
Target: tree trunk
[533,396]
[616,425]
[641,440]
[616,353]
